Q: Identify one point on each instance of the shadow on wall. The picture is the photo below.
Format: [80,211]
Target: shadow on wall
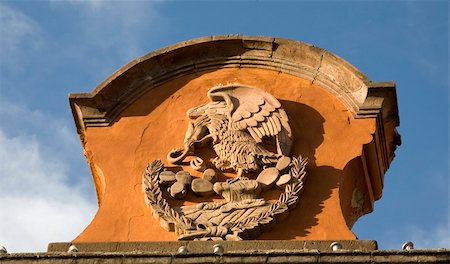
[308,133]
[307,126]
[155,96]
[354,195]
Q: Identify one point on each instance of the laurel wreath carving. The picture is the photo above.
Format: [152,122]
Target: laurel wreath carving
[247,228]
[161,208]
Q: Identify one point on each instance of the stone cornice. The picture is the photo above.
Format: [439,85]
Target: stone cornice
[380,104]
[233,252]
[102,106]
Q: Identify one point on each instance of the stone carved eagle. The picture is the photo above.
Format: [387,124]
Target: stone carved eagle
[243,123]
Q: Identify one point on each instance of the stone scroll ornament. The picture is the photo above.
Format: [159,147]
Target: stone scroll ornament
[241,124]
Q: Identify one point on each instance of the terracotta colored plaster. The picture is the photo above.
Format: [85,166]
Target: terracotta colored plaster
[324,131]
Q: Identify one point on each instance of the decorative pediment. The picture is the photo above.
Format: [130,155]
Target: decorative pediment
[235,137]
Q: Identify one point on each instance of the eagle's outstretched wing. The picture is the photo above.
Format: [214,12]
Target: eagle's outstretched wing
[256,111]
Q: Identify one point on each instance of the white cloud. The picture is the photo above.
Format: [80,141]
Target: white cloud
[43,198]
[46,193]
[38,204]
[18,120]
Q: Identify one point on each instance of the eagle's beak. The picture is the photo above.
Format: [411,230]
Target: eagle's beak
[193,136]
[175,156]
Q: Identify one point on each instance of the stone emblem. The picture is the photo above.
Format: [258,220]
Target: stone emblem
[250,134]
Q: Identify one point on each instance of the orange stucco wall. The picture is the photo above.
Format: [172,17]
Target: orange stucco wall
[324,131]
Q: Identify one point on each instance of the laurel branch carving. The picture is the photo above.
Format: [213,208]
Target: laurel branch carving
[170,219]
[287,200]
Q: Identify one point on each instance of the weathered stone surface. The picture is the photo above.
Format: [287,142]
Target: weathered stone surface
[198,164]
[178,190]
[234,252]
[202,187]
[425,256]
[167,178]
[229,246]
[238,191]
[183,177]
[283,163]
[283,180]
[210,175]
[232,238]
[268,177]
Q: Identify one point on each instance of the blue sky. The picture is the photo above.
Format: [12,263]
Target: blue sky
[50,49]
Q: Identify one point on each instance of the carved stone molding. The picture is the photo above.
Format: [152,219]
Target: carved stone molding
[104,104]
[381,104]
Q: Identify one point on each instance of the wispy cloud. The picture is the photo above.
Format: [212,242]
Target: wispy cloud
[18,33]
[15,28]
[57,137]
[426,52]
[423,237]
[38,204]
[42,196]
[46,193]
[434,237]
[118,27]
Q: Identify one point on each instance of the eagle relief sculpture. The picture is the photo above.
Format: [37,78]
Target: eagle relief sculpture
[250,134]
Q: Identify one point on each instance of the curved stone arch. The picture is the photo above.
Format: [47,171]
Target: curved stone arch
[103,105]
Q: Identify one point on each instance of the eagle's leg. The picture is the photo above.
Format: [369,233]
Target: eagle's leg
[240,172]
